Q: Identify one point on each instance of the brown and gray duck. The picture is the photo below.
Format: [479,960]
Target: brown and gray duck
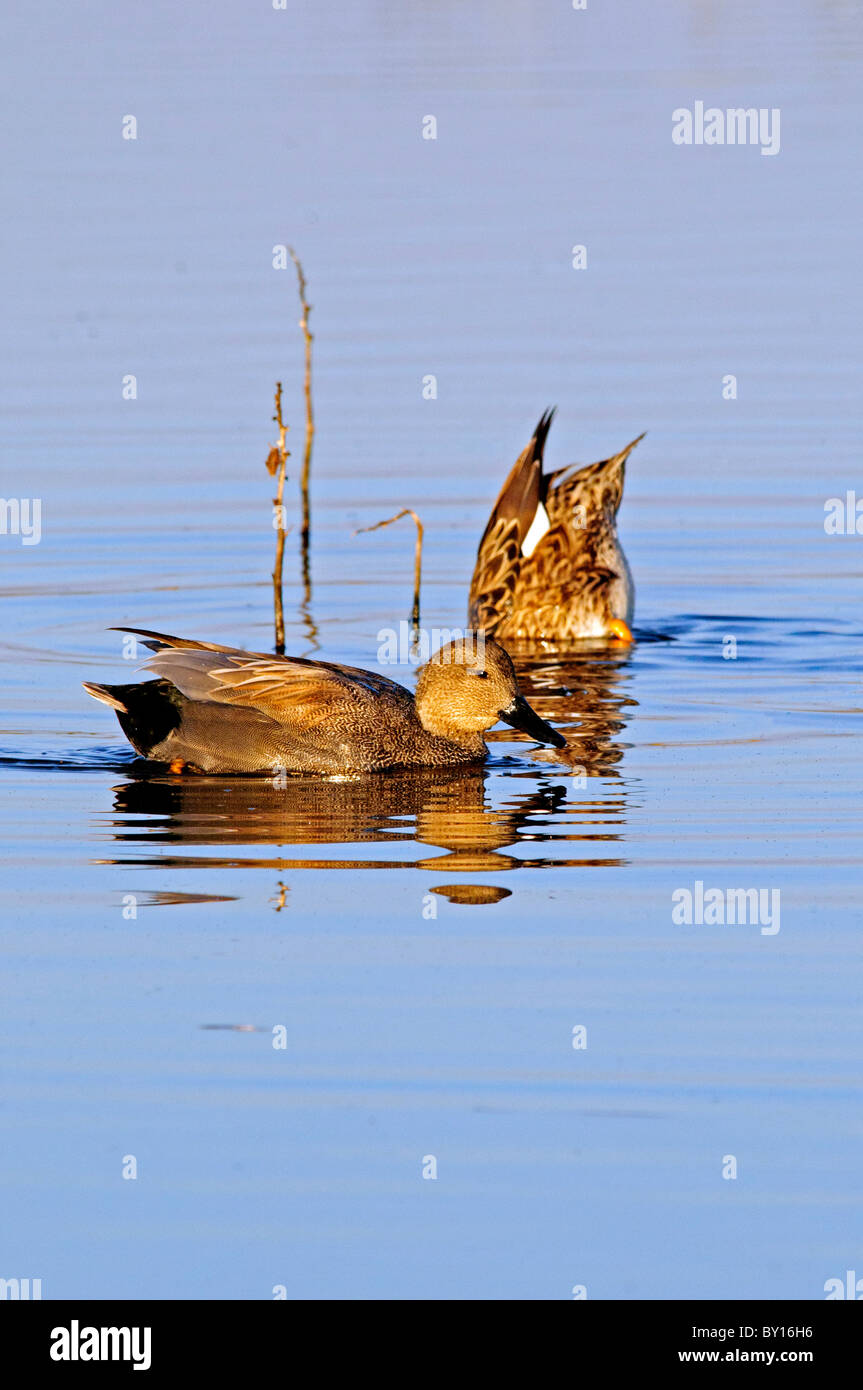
[215,709]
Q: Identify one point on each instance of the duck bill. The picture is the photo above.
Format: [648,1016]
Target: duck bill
[520,716]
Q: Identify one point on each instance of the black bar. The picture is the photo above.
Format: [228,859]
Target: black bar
[224,1339]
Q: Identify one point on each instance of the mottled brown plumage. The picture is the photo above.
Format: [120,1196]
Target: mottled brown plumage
[550,565]
[216,709]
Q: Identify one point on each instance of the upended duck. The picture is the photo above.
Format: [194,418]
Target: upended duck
[550,564]
[215,709]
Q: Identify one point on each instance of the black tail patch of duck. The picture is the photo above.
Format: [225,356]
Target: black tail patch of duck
[147,713]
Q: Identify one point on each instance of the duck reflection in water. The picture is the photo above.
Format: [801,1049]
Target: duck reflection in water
[586,687]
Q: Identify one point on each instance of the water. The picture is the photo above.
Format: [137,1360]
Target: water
[429,944]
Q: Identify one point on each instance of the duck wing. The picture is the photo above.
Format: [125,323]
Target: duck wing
[295,692]
[501,550]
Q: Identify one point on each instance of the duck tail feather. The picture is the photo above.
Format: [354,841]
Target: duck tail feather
[160,641]
[540,434]
[105,694]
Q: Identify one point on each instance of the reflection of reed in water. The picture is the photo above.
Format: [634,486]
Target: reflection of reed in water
[448,809]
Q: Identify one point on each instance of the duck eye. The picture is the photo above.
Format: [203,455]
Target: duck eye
[480,675]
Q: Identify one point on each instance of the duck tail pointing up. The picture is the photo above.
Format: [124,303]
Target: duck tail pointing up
[624,453]
[541,432]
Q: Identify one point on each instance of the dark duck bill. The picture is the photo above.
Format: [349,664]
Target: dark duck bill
[520,716]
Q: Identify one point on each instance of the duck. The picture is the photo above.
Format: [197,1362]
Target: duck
[219,710]
[550,566]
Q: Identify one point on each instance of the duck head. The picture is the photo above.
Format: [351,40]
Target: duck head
[468,686]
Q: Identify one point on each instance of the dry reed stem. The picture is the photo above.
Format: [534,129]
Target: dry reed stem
[310,418]
[418,556]
[279,466]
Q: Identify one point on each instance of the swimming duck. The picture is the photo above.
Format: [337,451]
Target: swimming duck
[216,709]
[549,564]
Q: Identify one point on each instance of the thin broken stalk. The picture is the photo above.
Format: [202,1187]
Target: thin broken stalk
[310,418]
[277,464]
[418,556]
